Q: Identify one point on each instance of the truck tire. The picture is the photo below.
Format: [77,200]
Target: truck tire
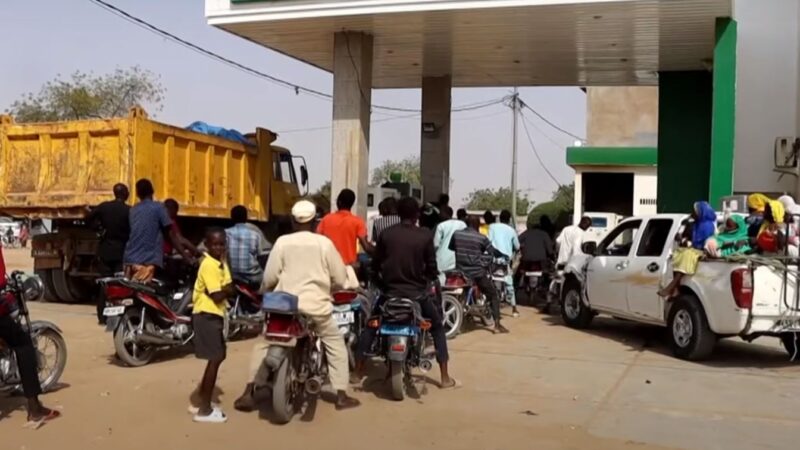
[46,275]
[690,335]
[62,287]
[574,311]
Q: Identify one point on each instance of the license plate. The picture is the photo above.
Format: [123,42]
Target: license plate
[344,318]
[113,310]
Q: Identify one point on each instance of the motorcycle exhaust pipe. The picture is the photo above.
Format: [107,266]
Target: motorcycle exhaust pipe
[314,386]
[154,339]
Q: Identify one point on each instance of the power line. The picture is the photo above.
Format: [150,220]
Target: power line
[542,132]
[235,64]
[544,119]
[536,152]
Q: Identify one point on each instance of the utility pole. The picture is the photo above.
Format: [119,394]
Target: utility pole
[515,109]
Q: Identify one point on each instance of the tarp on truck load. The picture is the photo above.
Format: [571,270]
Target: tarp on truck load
[225,133]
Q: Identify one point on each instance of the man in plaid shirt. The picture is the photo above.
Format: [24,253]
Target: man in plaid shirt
[246,245]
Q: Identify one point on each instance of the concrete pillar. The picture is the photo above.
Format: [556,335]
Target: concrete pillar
[577,207]
[435,147]
[352,96]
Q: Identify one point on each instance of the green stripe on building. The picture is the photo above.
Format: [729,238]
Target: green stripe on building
[723,123]
[612,156]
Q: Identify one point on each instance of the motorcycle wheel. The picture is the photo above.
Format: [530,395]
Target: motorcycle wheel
[50,342]
[285,390]
[453,315]
[398,380]
[129,352]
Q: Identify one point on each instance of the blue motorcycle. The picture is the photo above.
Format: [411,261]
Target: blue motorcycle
[401,337]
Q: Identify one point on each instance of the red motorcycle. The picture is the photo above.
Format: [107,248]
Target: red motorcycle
[147,317]
[245,312]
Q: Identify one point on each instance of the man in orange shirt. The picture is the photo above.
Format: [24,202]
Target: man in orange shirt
[345,229]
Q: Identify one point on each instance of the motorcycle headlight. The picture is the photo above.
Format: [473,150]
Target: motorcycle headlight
[33,289]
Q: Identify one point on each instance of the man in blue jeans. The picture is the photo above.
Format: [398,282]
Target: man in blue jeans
[504,238]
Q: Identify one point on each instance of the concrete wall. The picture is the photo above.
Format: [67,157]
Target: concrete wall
[622,116]
[767,91]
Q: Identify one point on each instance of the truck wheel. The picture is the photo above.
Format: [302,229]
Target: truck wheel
[574,312]
[690,335]
[791,342]
[46,276]
[62,286]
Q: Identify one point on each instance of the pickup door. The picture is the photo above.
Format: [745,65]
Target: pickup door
[607,272]
[648,268]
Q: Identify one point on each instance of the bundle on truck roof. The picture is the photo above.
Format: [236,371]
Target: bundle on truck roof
[56,170]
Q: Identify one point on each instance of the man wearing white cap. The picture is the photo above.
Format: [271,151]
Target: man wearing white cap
[307,265]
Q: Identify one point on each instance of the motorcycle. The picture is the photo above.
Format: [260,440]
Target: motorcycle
[296,357]
[245,312]
[47,337]
[500,270]
[462,299]
[146,317]
[350,310]
[542,287]
[401,337]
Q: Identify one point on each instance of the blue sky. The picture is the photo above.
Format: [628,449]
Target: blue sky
[44,38]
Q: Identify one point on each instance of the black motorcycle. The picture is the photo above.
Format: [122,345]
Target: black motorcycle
[46,336]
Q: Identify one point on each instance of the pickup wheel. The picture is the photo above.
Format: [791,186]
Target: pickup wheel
[574,312]
[690,335]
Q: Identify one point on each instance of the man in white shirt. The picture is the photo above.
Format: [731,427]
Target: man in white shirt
[307,265]
[570,240]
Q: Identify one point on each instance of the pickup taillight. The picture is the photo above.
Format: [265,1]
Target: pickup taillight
[742,288]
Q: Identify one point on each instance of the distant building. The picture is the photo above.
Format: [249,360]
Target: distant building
[616,170]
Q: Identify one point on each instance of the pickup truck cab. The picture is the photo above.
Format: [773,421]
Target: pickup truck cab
[743,296]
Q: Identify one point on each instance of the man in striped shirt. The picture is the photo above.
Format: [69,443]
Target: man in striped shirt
[388,217]
[474,254]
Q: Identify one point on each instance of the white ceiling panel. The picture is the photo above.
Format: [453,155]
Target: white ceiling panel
[492,43]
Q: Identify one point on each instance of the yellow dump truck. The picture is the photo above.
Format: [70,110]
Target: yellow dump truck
[58,170]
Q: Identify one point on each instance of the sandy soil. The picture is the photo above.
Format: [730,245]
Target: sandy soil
[109,406]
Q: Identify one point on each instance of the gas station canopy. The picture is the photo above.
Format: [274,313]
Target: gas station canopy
[490,42]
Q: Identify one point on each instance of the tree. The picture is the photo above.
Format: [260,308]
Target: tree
[322,198]
[408,168]
[558,209]
[90,96]
[496,199]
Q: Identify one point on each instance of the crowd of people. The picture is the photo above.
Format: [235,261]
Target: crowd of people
[405,254]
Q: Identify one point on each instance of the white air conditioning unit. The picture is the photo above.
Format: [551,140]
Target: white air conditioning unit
[786,152]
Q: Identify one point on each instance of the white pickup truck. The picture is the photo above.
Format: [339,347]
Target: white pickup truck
[622,274]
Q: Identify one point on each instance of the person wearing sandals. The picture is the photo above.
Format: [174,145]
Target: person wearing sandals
[213,288]
[19,340]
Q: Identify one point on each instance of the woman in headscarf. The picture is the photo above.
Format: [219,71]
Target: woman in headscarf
[733,239]
[685,258]
[756,204]
[792,217]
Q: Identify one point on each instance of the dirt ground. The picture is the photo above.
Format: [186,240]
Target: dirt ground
[544,386]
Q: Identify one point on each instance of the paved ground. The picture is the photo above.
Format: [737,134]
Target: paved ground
[544,386]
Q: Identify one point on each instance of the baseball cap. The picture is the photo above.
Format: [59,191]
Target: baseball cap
[304,211]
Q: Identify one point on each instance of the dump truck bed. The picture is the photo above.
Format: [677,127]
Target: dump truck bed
[55,170]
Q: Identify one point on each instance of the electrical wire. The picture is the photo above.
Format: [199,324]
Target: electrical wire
[536,152]
[546,136]
[544,119]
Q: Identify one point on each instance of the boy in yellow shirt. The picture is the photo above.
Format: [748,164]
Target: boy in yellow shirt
[212,290]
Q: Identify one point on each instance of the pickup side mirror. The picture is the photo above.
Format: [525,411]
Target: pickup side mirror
[589,248]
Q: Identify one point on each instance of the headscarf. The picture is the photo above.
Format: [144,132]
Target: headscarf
[705,224]
[789,204]
[734,236]
[778,211]
[758,202]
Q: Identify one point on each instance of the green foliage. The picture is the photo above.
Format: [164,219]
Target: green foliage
[90,96]
[409,168]
[322,198]
[559,209]
[496,199]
